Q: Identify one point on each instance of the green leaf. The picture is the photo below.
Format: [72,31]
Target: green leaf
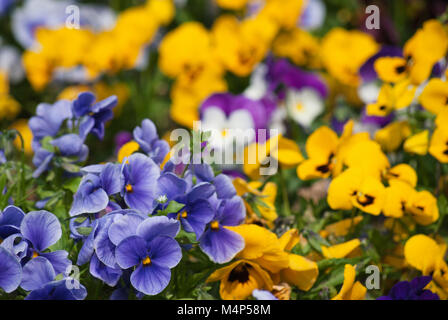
[85,231]
[172,207]
[72,184]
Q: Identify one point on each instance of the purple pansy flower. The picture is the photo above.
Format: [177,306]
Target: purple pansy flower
[96,113]
[263,295]
[223,184]
[413,290]
[10,271]
[10,220]
[49,118]
[38,231]
[39,278]
[94,190]
[147,138]
[140,188]
[197,211]
[153,252]
[219,243]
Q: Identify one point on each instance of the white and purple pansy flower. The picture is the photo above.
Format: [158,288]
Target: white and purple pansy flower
[224,113]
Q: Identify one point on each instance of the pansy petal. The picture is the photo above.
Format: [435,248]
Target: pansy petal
[99,270]
[150,280]
[10,271]
[221,245]
[41,228]
[165,252]
[36,273]
[158,226]
[59,260]
[124,227]
[131,251]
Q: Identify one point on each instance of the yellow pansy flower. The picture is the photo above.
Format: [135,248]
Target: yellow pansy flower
[340,228]
[281,149]
[344,52]
[285,13]
[127,149]
[402,172]
[321,148]
[434,97]
[349,249]
[391,98]
[262,247]
[397,198]
[438,146]
[424,253]
[241,45]
[417,143]
[239,279]
[423,207]
[421,52]
[351,290]
[353,189]
[392,136]
[187,97]
[299,46]
[301,271]
[186,53]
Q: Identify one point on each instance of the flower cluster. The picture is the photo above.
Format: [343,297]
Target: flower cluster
[313,151]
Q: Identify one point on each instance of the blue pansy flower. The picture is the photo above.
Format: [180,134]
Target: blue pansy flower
[96,113]
[10,271]
[140,188]
[10,220]
[413,290]
[223,184]
[49,118]
[39,278]
[153,252]
[38,231]
[147,138]
[94,190]
[263,295]
[219,243]
[197,211]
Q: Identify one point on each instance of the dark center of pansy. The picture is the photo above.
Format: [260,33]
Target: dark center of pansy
[214,225]
[400,69]
[326,167]
[383,107]
[129,188]
[240,273]
[147,261]
[365,200]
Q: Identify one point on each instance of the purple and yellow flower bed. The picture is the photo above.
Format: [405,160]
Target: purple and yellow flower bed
[223,149]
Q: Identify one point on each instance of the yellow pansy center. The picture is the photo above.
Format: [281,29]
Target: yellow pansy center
[224,133]
[129,188]
[299,107]
[214,225]
[182,214]
[35,254]
[146,261]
